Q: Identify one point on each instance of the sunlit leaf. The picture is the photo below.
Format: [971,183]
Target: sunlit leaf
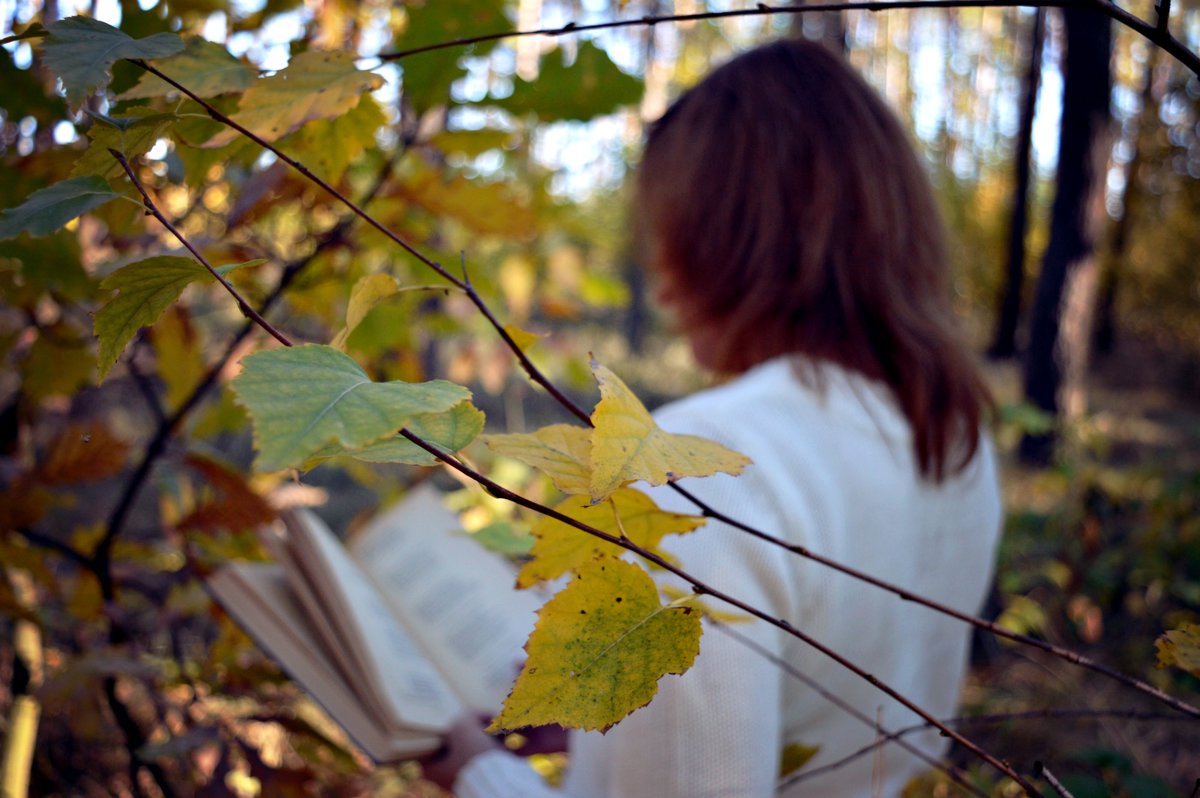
[627,446]
[486,207]
[204,67]
[560,451]
[48,209]
[83,453]
[590,86]
[521,337]
[302,398]
[177,354]
[451,430]
[130,140]
[315,85]
[368,292]
[82,50]
[329,146]
[796,756]
[560,548]
[598,650]
[146,288]
[1181,648]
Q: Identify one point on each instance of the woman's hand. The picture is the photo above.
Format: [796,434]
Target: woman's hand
[464,741]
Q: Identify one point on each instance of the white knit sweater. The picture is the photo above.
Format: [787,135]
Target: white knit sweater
[833,471]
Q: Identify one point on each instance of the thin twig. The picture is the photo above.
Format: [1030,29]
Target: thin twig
[1157,34]
[950,770]
[1040,769]
[153,210]
[498,491]
[57,546]
[1073,657]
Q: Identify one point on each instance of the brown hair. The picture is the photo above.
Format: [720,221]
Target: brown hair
[787,211]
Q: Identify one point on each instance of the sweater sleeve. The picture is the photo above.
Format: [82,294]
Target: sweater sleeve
[714,731]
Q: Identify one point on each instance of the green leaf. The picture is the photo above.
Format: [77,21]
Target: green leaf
[591,86]
[48,209]
[428,76]
[451,430]
[147,288]
[329,146]
[627,446]
[560,548]
[205,68]
[315,85]
[598,650]
[302,398]
[81,51]
[131,136]
[560,451]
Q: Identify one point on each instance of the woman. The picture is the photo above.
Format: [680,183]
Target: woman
[795,236]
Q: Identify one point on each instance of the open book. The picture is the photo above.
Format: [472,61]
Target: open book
[396,634]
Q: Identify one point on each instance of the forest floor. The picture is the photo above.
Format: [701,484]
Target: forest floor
[1101,555]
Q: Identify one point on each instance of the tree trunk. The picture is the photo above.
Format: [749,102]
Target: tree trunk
[1059,328]
[1004,342]
[1105,338]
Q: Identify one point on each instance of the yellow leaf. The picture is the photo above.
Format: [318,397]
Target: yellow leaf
[368,292]
[560,548]
[628,446]
[1180,647]
[560,451]
[315,85]
[684,598]
[522,338]
[178,355]
[795,756]
[598,650]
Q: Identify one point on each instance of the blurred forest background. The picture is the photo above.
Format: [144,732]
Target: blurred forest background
[1076,275]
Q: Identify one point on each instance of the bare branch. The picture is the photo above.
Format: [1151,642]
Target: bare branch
[1040,769]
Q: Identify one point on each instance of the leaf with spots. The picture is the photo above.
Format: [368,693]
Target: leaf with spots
[598,650]
[628,446]
[560,451]
[1181,648]
[315,85]
[81,51]
[303,398]
[559,548]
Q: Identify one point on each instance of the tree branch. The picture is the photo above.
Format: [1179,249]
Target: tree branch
[1158,33]
[1041,770]
[701,588]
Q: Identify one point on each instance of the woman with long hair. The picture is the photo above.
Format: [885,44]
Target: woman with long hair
[793,232]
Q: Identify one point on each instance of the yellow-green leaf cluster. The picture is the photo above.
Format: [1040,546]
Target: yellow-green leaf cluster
[1181,648]
[598,650]
[629,513]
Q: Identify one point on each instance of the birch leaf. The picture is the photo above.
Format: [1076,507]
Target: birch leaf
[598,650]
[628,446]
[1181,648]
[48,209]
[368,292]
[81,51]
[329,146]
[452,430]
[795,756]
[205,67]
[303,398]
[560,451]
[315,85]
[146,288]
[132,139]
[559,548]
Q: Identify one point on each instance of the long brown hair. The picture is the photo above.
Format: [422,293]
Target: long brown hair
[786,209]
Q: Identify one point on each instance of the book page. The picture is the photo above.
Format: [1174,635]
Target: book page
[259,599]
[395,669]
[455,597]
